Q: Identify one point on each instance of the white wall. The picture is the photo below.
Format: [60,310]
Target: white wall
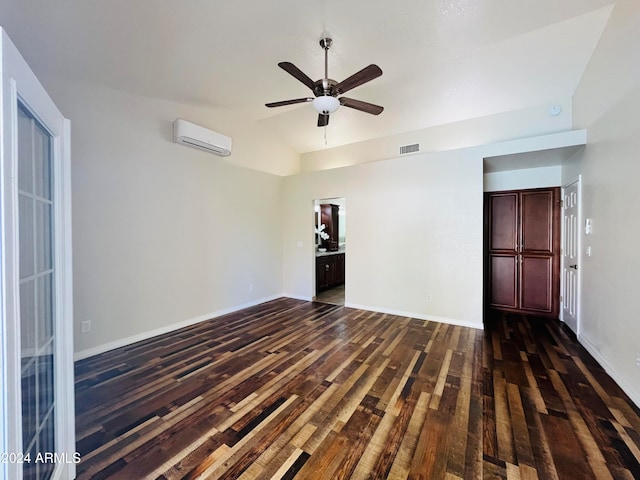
[163,233]
[523,178]
[521,123]
[415,229]
[607,103]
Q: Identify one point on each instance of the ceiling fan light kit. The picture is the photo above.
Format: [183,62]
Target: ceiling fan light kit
[326,104]
[326,90]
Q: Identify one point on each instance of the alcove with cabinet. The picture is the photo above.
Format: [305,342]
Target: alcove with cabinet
[522,229]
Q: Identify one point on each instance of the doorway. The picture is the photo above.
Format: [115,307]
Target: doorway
[330,217]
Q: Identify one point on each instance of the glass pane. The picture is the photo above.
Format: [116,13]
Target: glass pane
[44,310]
[29,400]
[45,385]
[42,163]
[25,218]
[25,162]
[43,237]
[46,440]
[30,470]
[28,319]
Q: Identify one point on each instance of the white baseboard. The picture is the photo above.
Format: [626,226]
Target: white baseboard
[298,297]
[419,316]
[81,355]
[631,392]
[166,329]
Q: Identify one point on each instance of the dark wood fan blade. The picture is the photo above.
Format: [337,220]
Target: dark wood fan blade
[363,76]
[289,102]
[362,106]
[323,120]
[294,71]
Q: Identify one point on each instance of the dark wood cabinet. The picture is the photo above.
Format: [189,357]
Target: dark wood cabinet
[329,217]
[323,267]
[339,268]
[329,271]
[523,250]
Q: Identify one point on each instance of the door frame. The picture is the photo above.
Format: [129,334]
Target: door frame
[577,181]
[19,84]
[316,219]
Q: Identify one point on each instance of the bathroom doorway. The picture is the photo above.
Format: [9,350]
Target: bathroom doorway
[330,216]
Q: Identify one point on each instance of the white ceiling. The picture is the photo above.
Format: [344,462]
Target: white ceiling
[443,60]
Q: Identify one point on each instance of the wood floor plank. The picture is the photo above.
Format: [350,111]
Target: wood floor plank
[504,431]
[522,441]
[402,461]
[299,390]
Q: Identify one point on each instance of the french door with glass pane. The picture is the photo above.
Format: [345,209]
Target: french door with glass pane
[36,349]
[35,205]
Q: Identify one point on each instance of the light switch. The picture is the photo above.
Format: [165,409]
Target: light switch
[588,251]
[588,226]
[299,244]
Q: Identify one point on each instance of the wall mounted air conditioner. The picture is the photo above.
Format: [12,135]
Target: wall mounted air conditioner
[195,136]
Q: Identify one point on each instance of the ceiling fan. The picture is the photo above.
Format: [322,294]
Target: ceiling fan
[326,90]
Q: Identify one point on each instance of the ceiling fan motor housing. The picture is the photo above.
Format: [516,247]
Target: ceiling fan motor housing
[320,89]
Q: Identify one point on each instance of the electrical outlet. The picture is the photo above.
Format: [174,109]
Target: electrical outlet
[638,360]
[85,326]
[251,287]
[429,299]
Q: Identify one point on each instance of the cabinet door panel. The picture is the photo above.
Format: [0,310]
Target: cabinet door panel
[331,273]
[503,218]
[504,281]
[537,284]
[537,221]
[340,268]
[322,280]
[329,217]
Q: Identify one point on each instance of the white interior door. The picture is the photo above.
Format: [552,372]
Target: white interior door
[571,255]
[36,335]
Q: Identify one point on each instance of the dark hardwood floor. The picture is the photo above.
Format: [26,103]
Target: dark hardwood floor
[292,389]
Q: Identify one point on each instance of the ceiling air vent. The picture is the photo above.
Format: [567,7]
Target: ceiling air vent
[404,149]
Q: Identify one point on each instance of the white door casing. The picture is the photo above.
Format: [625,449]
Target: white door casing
[19,85]
[571,225]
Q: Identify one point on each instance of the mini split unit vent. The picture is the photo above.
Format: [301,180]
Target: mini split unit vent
[195,136]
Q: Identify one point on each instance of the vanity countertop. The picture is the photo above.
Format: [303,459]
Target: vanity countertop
[324,254]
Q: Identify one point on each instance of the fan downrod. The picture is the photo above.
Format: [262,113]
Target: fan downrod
[327,85]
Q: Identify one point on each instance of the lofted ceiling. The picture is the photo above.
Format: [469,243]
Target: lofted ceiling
[443,60]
